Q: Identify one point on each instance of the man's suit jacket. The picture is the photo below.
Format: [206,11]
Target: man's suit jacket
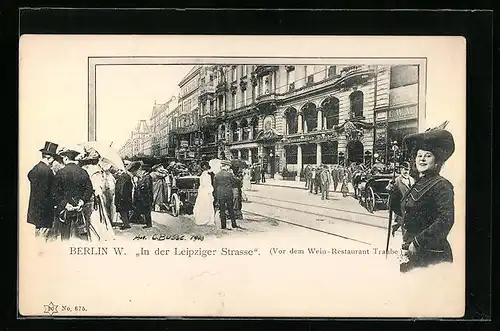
[224,183]
[326,178]
[71,184]
[41,205]
[123,192]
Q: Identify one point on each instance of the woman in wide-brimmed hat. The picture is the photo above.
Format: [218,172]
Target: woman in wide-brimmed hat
[427,208]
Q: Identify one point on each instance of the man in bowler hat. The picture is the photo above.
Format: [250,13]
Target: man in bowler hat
[41,205]
[223,185]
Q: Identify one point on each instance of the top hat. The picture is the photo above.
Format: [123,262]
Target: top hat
[438,141]
[134,166]
[225,163]
[49,148]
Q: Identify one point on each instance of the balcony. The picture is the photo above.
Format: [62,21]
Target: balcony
[207,89]
[187,129]
[263,70]
[208,121]
[266,103]
[355,75]
[221,88]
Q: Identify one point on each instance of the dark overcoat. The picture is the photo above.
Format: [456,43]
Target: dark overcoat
[144,194]
[428,212]
[71,184]
[123,192]
[41,204]
[224,183]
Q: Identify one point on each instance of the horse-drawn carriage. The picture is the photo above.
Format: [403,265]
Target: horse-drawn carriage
[183,195]
[371,191]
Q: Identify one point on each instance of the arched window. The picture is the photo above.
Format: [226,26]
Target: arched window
[356,99]
[235,131]
[222,132]
[331,112]
[255,126]
[310,117]
[291,121]
[245,130]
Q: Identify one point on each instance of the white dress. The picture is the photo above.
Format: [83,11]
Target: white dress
[247,185]
[103,184]
[203,211]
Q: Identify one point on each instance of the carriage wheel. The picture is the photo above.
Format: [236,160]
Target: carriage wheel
[370,200]
[176,205]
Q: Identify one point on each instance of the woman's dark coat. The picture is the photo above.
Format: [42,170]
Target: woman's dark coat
[427,210]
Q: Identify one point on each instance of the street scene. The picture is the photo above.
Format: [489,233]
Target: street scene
[253,151]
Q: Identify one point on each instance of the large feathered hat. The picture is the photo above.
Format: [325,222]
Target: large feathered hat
[436,140]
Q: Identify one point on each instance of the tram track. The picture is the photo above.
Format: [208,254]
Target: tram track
[307,227]
[316,206]
[342,219]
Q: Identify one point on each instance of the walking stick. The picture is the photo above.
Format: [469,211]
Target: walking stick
[389,226]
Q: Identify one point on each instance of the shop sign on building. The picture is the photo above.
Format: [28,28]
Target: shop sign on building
[402,113]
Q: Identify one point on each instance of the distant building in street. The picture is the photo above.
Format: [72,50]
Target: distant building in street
[160,119]
[139,142]
[189,137]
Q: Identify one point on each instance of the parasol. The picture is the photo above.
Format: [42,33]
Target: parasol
[215,165]
[107,153]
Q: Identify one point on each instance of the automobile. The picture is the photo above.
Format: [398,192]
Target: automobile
[373,193]
[184,193]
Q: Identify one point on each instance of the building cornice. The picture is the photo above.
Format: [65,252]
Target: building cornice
[190,75]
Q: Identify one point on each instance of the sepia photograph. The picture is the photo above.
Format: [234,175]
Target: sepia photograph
[161,178]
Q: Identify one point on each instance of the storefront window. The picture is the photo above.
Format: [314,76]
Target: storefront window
[291,154]
[309,154]
[329,152]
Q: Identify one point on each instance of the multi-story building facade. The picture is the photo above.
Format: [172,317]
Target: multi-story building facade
[189,137]
[160,119]
[288,116]
[139,143]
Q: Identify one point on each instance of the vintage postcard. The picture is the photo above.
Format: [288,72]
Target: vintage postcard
[241,176]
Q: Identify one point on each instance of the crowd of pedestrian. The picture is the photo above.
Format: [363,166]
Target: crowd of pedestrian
[320,179]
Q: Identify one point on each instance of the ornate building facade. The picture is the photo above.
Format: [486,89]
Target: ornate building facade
[188,138]
[289,116]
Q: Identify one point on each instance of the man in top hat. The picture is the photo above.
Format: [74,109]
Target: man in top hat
[41,205]
[72,189]
[223,185]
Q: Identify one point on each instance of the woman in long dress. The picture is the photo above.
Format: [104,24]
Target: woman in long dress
[247,185]
[97,211]
[204,213]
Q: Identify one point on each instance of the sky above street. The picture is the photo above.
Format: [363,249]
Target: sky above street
[127,93]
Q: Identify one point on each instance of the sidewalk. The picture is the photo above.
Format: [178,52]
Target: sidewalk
[299,185]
